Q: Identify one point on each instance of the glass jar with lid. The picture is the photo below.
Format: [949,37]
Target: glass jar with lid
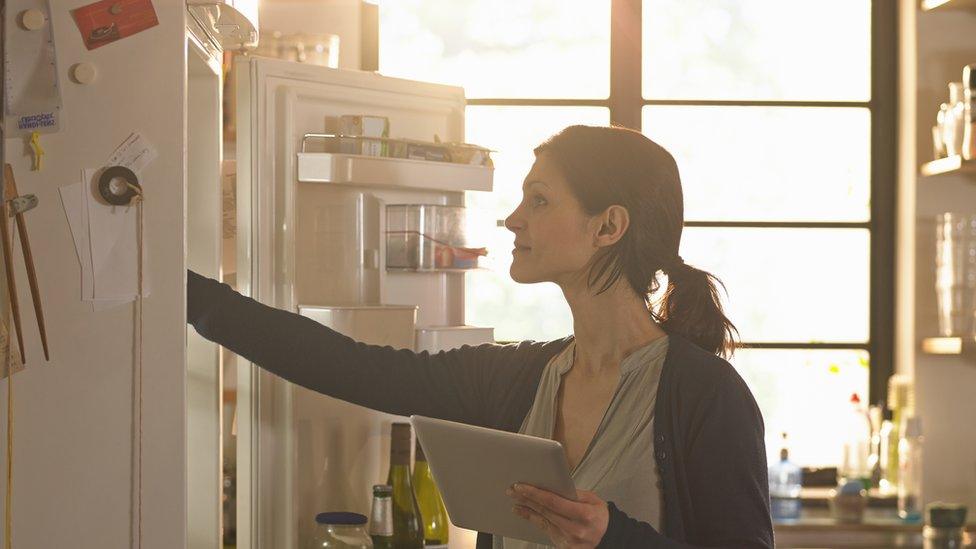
[341,531]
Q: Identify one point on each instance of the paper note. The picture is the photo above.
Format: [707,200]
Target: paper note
[112,233]
[105,242]
[134,153]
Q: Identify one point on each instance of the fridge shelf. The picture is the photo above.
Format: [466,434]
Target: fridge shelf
[949,165]
[353,169]
[949,346]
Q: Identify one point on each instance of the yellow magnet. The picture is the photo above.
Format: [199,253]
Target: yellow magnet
[35,145]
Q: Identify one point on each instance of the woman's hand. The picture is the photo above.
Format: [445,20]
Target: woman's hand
[569,524]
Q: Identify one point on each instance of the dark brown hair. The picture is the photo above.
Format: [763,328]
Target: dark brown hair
[605,166]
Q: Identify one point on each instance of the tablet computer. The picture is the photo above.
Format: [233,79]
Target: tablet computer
[473,466]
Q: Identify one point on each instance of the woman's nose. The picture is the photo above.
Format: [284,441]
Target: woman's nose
[514,222]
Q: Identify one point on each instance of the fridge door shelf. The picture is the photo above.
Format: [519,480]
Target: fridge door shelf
[352,169]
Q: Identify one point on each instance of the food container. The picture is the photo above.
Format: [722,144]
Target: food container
[342,530]
[955,274]
[362,125]
[428,237]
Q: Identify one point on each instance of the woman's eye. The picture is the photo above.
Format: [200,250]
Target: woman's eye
[538,200]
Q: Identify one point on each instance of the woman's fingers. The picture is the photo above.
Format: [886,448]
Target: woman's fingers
[551,518]
[572,510]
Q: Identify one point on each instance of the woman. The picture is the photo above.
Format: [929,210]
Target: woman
[663,437]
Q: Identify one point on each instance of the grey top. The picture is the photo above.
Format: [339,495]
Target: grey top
[619,463]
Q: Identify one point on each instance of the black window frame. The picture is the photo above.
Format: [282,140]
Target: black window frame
[626,102]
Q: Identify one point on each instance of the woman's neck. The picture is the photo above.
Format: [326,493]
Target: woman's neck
[608,327]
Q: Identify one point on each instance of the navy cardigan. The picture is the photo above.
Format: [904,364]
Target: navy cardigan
[708,442]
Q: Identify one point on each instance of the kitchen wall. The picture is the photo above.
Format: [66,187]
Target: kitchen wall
[935,46]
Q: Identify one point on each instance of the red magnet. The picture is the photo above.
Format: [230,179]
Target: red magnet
[106,21]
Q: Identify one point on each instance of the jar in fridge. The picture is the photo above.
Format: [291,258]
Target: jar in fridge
[424,236]
[341,530]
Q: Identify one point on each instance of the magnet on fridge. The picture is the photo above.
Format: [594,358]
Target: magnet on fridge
[32,19]
[118,185]
[38,152]
[83,73]
[106,21]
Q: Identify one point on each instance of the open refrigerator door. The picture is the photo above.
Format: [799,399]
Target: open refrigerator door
[348,213]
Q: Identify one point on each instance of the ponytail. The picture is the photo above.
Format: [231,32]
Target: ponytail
[691,307]
[607,166]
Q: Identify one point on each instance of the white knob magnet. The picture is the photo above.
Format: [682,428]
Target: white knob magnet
[32,19]
[83,73]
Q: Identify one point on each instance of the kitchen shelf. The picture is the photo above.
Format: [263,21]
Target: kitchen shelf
[949,165]
[929,5]
[353,169]
[949,346]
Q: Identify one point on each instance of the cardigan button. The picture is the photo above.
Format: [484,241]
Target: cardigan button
[662,455]
[659,439]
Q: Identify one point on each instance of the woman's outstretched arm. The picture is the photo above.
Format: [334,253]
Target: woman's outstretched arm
[490,385]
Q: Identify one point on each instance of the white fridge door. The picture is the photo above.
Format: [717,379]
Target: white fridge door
[298,449]
[73,429]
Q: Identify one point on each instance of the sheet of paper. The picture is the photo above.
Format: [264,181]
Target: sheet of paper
[112,233]
[72,199]
[134,153]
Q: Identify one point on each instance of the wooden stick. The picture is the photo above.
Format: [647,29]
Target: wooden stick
[28,259]
[32,280]
[11,285]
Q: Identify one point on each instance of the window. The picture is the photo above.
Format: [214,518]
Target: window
[779,134]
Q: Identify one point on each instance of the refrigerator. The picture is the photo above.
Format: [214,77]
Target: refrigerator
[115,441]
[117,437]
[318,234]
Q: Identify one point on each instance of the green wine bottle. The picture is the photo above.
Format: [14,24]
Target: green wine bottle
[408,530]
[432,509]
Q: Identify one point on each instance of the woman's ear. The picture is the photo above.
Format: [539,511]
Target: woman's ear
[613,224]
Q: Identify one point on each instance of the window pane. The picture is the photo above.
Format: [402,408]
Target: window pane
[768,164]
[524,48]
[804,393]
[757,49]
[788,285]
[516,311]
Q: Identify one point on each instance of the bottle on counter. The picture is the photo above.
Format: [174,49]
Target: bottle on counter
[340,531]
[910,474]
[969,112]
[408,530]
[888,440]
[954,123]
[381,517]
[785,484]
[857,444]
[901,401]
[436,525]
[874,460]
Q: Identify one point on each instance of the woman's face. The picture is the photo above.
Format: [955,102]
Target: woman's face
[554,238]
